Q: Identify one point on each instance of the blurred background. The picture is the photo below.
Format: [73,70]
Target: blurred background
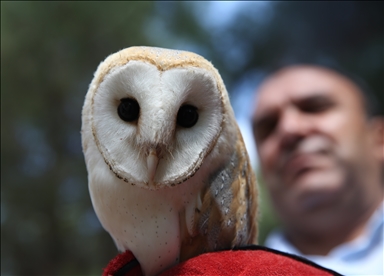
[49,51]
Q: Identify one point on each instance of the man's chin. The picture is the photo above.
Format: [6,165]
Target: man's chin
[316,201]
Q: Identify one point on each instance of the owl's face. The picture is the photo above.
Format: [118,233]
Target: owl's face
[154,126]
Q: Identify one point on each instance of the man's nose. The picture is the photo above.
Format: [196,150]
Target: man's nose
[293,126]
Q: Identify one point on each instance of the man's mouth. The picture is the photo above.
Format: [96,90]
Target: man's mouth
[308,156]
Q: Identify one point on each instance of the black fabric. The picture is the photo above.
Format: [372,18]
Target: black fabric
[289,255]
[126,268]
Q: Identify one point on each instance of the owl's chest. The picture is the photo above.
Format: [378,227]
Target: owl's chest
[132,213]
[143,221]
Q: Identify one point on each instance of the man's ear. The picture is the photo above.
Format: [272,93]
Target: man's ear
[377,124]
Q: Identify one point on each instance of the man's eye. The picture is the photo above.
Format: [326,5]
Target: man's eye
[316,105]
[263,128]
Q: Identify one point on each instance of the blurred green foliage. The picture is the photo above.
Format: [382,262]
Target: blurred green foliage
[49,51]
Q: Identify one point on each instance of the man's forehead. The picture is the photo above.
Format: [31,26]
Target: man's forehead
[298,82]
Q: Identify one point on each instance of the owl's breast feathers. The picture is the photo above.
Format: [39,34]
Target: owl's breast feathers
[228,215]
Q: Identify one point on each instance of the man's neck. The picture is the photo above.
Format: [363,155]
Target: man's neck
[310,243]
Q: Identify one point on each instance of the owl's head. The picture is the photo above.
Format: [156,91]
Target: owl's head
[155,114]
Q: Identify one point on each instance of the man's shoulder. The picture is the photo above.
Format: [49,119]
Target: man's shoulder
[277,240]
[362,255]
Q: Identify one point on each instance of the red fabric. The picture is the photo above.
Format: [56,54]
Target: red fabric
[118,262]
[243,262]
[261,261]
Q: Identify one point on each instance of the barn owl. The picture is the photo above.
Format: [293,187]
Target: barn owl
[168,172]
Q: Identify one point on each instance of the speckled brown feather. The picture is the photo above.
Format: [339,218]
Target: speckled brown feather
[228,216]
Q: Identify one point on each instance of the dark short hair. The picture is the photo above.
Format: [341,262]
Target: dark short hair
[371,102]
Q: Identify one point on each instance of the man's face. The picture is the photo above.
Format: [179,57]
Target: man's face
[310,130]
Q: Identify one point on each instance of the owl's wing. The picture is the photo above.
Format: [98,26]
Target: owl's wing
[245,198]
[228,214]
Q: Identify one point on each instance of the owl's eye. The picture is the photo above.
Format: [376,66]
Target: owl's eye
[187,116]
[128,110]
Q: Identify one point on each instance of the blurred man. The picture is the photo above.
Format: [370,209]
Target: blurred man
[322,156]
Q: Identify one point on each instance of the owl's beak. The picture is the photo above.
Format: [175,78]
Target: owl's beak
[152,161]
